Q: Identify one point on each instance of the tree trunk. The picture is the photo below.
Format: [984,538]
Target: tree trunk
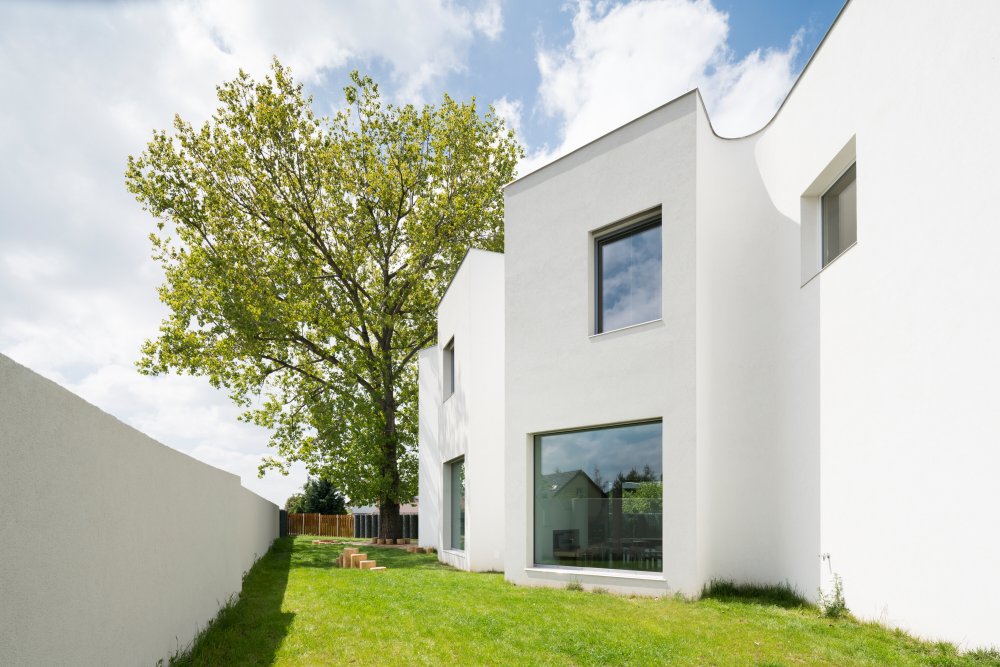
[390,525]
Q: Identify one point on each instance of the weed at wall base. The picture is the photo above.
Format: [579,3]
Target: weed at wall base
[833,604]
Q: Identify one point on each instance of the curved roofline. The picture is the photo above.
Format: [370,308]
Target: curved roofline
[791,90]
[697,91]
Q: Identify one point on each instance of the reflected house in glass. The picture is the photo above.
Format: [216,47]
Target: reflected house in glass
[571,510]
[703,358]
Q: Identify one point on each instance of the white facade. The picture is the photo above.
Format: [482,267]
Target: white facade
[467,423]
[814,421]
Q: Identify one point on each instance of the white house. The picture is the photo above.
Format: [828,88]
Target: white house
[461,420]
[766,359]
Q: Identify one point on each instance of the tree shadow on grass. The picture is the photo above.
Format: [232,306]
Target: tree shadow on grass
[248,631]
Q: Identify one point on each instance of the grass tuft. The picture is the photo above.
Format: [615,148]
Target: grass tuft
[987,656]
[778,595]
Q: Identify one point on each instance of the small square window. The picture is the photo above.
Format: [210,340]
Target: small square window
[840,216]
[628,273]
[449,369]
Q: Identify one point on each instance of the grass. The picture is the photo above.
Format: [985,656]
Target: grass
[297,608]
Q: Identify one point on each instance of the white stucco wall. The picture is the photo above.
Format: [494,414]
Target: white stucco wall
[116,549]
[559,375]
[757,381]
[430,483]
[470,422]
[908,318]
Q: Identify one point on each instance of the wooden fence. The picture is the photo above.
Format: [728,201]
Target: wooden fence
[328,525]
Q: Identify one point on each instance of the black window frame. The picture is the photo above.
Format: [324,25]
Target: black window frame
[610,237]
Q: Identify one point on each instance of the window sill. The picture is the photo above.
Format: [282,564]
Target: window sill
[631,326]
[596,572]
[829,264]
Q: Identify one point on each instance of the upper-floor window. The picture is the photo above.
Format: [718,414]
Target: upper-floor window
[449,369]
[628,271]
[840,216]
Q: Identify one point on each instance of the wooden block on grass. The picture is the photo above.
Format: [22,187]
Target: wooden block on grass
[345,556]
[366,564]
[357,558]
[378,569]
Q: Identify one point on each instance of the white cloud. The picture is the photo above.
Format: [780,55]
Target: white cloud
[421,42]
[510,111]
[489,19]
[84,84]
[627,59]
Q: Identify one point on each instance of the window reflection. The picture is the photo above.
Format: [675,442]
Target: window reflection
[630,284]
[599,498]
[458,504]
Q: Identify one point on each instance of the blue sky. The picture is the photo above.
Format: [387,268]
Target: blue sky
[507,66]
[85,83]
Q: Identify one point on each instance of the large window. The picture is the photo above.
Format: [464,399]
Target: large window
[599,498]
[629,281]
[840,216]
[457,472]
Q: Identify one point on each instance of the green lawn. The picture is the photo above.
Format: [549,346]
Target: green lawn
[297,608]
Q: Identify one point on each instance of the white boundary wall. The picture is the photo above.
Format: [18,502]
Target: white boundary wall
[114,549]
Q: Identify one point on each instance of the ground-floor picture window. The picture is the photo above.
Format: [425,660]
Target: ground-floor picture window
[598,497]
[457,503]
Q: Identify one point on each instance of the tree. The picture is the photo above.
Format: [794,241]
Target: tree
[295,504]
[641,492]
[319,496]
[304,259]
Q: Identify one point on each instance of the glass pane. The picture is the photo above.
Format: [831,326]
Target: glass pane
[458,504]
[630,278]
[449,369]
[840,216]
[848,215]
[599,498]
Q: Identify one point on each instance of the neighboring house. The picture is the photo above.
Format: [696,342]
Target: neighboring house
[405,508]
[795,332]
